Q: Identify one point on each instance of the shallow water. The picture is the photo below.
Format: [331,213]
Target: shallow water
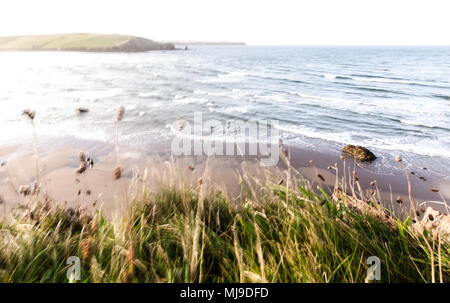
[394,100]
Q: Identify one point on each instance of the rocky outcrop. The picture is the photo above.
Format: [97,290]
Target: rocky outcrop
[358,152]
[133,45]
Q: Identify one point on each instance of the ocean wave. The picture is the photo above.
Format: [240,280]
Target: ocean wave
[149,94]
[200,92]
[229,77]
[423,123]
[378,79]
[322,98]
[276,98]
[445,97]
[188,100]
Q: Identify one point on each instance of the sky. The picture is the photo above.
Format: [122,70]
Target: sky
[261,22]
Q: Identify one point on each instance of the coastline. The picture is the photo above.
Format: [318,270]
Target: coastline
[97,188]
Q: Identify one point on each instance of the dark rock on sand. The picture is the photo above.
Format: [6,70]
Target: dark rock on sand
[81,110]
[358,152]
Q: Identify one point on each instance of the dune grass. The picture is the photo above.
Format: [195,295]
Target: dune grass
[182,233]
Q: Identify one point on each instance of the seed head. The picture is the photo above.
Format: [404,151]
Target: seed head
[82,156]
[422,208]
[29,113]
[82,168]
[86,248]
[120,113]
[94,223]
[117,172]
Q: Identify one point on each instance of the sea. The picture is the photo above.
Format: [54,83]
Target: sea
[392,100]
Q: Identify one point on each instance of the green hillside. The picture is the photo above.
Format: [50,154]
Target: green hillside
[81,42]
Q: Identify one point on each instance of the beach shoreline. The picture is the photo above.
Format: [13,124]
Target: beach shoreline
[97,188]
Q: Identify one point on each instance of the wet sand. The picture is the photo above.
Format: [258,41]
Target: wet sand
[97,188]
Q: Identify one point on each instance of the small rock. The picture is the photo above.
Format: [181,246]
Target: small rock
[359,152]
[81,110]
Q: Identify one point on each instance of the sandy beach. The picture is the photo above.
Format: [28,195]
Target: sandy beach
[96,188]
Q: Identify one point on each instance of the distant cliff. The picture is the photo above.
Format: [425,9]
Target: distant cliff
[81,42]
[207,43]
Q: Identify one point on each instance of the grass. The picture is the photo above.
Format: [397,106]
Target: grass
[181,233]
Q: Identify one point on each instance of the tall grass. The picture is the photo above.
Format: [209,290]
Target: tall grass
[281,232]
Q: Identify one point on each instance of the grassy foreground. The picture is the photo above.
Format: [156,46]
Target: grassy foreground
[193,234]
